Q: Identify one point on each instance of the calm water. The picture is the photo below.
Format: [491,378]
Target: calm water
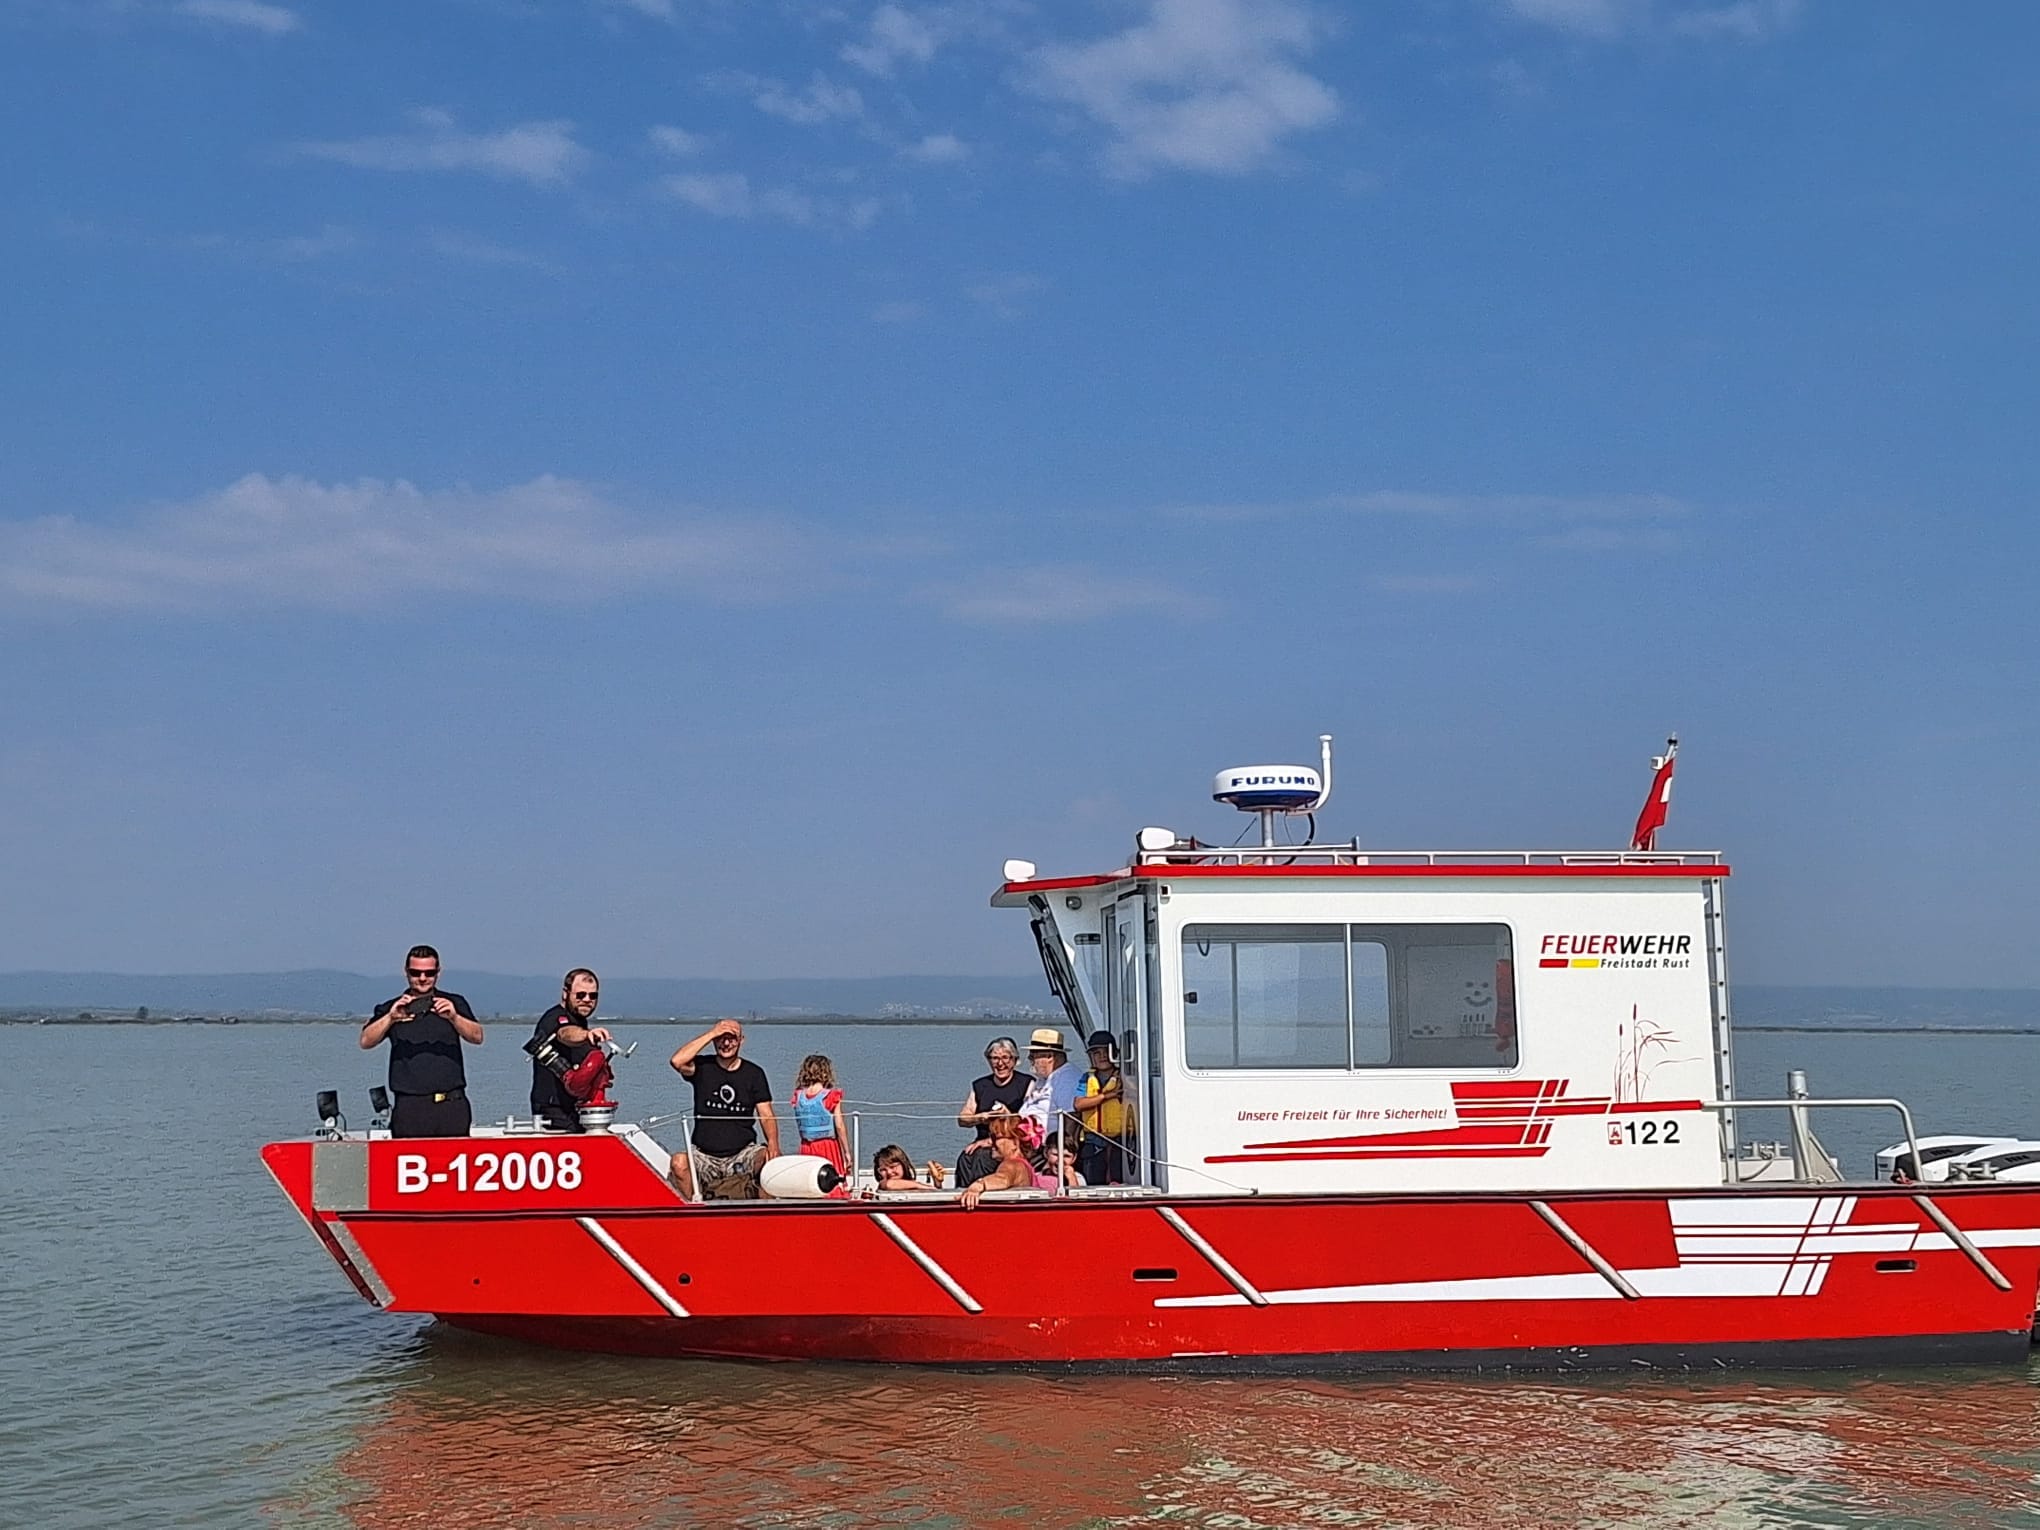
[175,1350]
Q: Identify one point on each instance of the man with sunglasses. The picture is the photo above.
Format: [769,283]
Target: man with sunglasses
[566,1024]
[425,1027]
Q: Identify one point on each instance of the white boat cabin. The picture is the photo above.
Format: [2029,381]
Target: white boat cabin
[1326,1018]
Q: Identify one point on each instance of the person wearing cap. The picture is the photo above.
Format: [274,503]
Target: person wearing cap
[1052,1091]
[999,1093]
[1101,1106]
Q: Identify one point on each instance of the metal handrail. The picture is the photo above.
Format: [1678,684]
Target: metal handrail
[1807,1102]
[1354,854]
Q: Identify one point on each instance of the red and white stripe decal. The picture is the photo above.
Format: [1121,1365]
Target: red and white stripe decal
[1734,1246]
[1509,1118]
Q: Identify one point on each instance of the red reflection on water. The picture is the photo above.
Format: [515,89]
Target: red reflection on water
[487,1435]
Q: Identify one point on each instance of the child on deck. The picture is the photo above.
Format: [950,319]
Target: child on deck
[1061,1164]
[818,1115]
[1102,1107]
[892,1169]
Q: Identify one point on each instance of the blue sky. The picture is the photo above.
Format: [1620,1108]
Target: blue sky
[689,486]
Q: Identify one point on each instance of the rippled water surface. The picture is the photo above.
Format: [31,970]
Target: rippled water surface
[176,1350]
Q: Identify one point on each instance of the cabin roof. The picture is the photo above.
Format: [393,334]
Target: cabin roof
[1343,862]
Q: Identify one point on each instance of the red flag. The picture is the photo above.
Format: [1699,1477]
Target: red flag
[1659,802]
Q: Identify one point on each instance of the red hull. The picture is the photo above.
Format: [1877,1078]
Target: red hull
[1758,1274]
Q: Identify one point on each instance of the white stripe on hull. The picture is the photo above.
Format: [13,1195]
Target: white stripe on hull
[1727,1248]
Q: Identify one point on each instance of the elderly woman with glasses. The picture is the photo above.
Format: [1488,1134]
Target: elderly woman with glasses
[1000,1092]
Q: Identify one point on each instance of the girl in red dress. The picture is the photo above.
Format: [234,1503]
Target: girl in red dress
[818,1115]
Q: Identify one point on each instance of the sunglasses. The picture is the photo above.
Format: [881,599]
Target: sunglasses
[587,993]
[421,972]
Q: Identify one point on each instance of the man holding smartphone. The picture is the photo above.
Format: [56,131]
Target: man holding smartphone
[425,1028]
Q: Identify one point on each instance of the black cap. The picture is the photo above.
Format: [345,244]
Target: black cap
[1102,1039]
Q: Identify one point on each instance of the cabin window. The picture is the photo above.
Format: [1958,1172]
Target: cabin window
[1435,996]
[1265,996]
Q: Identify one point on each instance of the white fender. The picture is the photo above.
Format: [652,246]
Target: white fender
[797,1177]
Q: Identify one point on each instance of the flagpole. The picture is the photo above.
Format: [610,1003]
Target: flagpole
[1656,806]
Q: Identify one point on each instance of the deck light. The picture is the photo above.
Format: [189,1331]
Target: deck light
[1020,871]
[379,1102]
[1156,838]
[327,1104]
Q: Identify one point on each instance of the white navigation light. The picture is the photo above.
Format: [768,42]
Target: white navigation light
[1269,788]
[1020,871]
[1156,838]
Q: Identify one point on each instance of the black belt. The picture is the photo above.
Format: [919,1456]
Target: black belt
[450,1094]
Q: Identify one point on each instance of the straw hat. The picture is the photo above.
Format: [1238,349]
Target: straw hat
[1047,1039]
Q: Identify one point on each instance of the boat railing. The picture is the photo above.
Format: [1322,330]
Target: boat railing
[1142,1163]
[1355,854]
[1796,1105]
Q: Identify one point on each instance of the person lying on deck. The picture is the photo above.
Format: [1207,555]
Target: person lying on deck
[1010,1170]
[892,1169]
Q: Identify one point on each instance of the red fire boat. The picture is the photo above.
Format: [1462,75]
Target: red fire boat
[1393,1110]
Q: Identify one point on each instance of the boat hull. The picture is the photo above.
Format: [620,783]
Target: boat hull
[1566,1280]
[939,1343]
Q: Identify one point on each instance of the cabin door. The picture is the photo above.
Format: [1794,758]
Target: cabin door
[1127,1017]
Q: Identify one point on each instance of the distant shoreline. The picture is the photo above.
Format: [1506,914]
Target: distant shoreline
[984,1021]
[1891,1030]
[756,1021]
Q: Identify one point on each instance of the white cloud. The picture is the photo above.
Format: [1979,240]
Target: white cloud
[253,15]
[295,543]
[540,153]
[1556,507]
[1430,584]
[452,244]
[1004,296]
[898,311]
[328,241]
[1601,20]
[1585,18]
[1744,21]
[1530,509]
[658,10]
[895,35]
[727,195]
[1567,522]
[821,102]
[937,149]
[1207,85]
[677,142]
[1059,593]
[730,194]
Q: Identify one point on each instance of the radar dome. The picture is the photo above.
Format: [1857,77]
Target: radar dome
[1269,788]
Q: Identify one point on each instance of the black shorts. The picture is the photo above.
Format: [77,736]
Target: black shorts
[422,1115]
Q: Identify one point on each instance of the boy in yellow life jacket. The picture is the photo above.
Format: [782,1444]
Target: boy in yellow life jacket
[1101,1106]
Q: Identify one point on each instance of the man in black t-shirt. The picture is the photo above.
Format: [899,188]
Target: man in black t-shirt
[566,1024]
[729,1095]
[425,1028]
